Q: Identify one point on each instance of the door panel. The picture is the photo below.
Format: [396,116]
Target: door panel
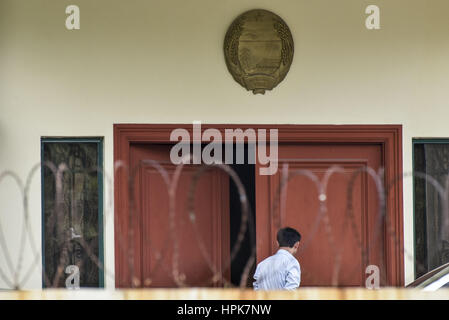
[337,243]
[202,237]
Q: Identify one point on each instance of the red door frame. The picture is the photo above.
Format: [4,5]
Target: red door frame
[388,136]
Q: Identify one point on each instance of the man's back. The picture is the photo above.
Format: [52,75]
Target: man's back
[278,272]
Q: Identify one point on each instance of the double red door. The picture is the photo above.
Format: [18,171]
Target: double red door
[341,227]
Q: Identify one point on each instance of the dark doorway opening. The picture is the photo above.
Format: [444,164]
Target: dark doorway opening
[246,173]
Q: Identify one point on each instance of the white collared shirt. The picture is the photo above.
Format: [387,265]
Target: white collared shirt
[280,271]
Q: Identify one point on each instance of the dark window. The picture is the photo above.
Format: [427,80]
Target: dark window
[72,235]
[431,158]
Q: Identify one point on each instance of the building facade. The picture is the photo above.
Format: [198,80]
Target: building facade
[161,63]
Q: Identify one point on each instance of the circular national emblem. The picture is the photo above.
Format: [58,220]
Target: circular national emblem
[258,49]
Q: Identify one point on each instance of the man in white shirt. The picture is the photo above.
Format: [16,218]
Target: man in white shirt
[280,271]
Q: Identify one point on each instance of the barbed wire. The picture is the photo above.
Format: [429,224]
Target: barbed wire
[16,275]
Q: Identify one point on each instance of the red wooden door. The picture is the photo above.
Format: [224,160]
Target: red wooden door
[190,247]
[336,252]
[314,147]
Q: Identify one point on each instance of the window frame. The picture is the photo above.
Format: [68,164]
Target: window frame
[421,141]
[100,176]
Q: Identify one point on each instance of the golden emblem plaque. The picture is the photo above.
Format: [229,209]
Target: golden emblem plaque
[258,49]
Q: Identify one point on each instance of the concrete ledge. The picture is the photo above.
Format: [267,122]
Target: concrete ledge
[225,294]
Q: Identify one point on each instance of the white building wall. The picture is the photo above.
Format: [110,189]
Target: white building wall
[154,61]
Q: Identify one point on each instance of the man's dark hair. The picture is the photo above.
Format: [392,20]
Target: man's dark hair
[287,237]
